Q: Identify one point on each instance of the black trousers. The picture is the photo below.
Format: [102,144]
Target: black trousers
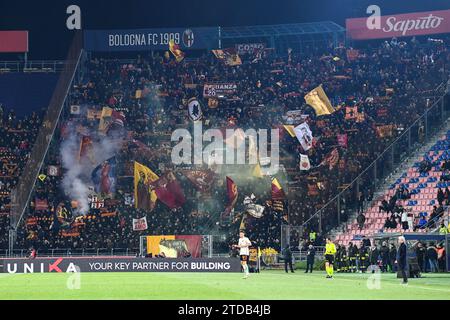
[309,266]
[402,269]
[286,262]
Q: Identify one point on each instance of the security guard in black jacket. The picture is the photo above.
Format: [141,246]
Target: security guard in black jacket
[310,257]
[384,253]
[344,259]
[363,258]
[352,251]
[338,259]
[288,259]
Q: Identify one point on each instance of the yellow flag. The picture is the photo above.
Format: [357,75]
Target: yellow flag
[242,225]
[318,99]
[290,130]
[144,197]
[42,177]
[257,171]
[105,119]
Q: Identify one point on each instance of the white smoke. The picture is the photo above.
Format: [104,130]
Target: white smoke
[77,183]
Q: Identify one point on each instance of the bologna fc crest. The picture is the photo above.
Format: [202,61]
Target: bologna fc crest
[195,109]
[188,38]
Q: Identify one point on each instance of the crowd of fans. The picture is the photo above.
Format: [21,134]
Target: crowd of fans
[16,140]
[389,84]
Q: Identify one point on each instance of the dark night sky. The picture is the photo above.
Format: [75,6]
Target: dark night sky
[49,38]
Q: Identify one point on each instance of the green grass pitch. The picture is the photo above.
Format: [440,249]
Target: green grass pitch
[216,286]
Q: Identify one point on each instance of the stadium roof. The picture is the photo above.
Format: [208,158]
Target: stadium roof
[281,30]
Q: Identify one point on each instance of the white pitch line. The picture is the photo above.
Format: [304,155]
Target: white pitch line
[393,284]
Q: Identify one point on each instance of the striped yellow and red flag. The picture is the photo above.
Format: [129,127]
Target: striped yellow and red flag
[176,51]
[277,190]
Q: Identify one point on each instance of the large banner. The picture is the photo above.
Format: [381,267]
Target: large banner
[151,39]
[400,25]
[170,246]
[13,41]
[97,264]
[249,48]
[219,90]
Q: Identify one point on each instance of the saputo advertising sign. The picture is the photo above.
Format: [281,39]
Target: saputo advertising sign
[400,25]
[65,265]
[151,39]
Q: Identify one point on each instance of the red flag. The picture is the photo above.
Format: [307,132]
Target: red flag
[342,140]
[232,192]
[40,204]
[169,191]
[118,117]
[201,179]
[313,190]
[331,159]
[86,149]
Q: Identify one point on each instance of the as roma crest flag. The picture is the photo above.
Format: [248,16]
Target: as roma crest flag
[168,190]
[144,197]
[201,179]
[318,99]
[195,109]
[176,51]
[232,193]
[277,190]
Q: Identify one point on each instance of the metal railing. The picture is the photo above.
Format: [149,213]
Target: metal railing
[22,253]
[332,214]
[32,66]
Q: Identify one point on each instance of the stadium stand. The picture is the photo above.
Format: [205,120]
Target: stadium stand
[417,194]
[389,85]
